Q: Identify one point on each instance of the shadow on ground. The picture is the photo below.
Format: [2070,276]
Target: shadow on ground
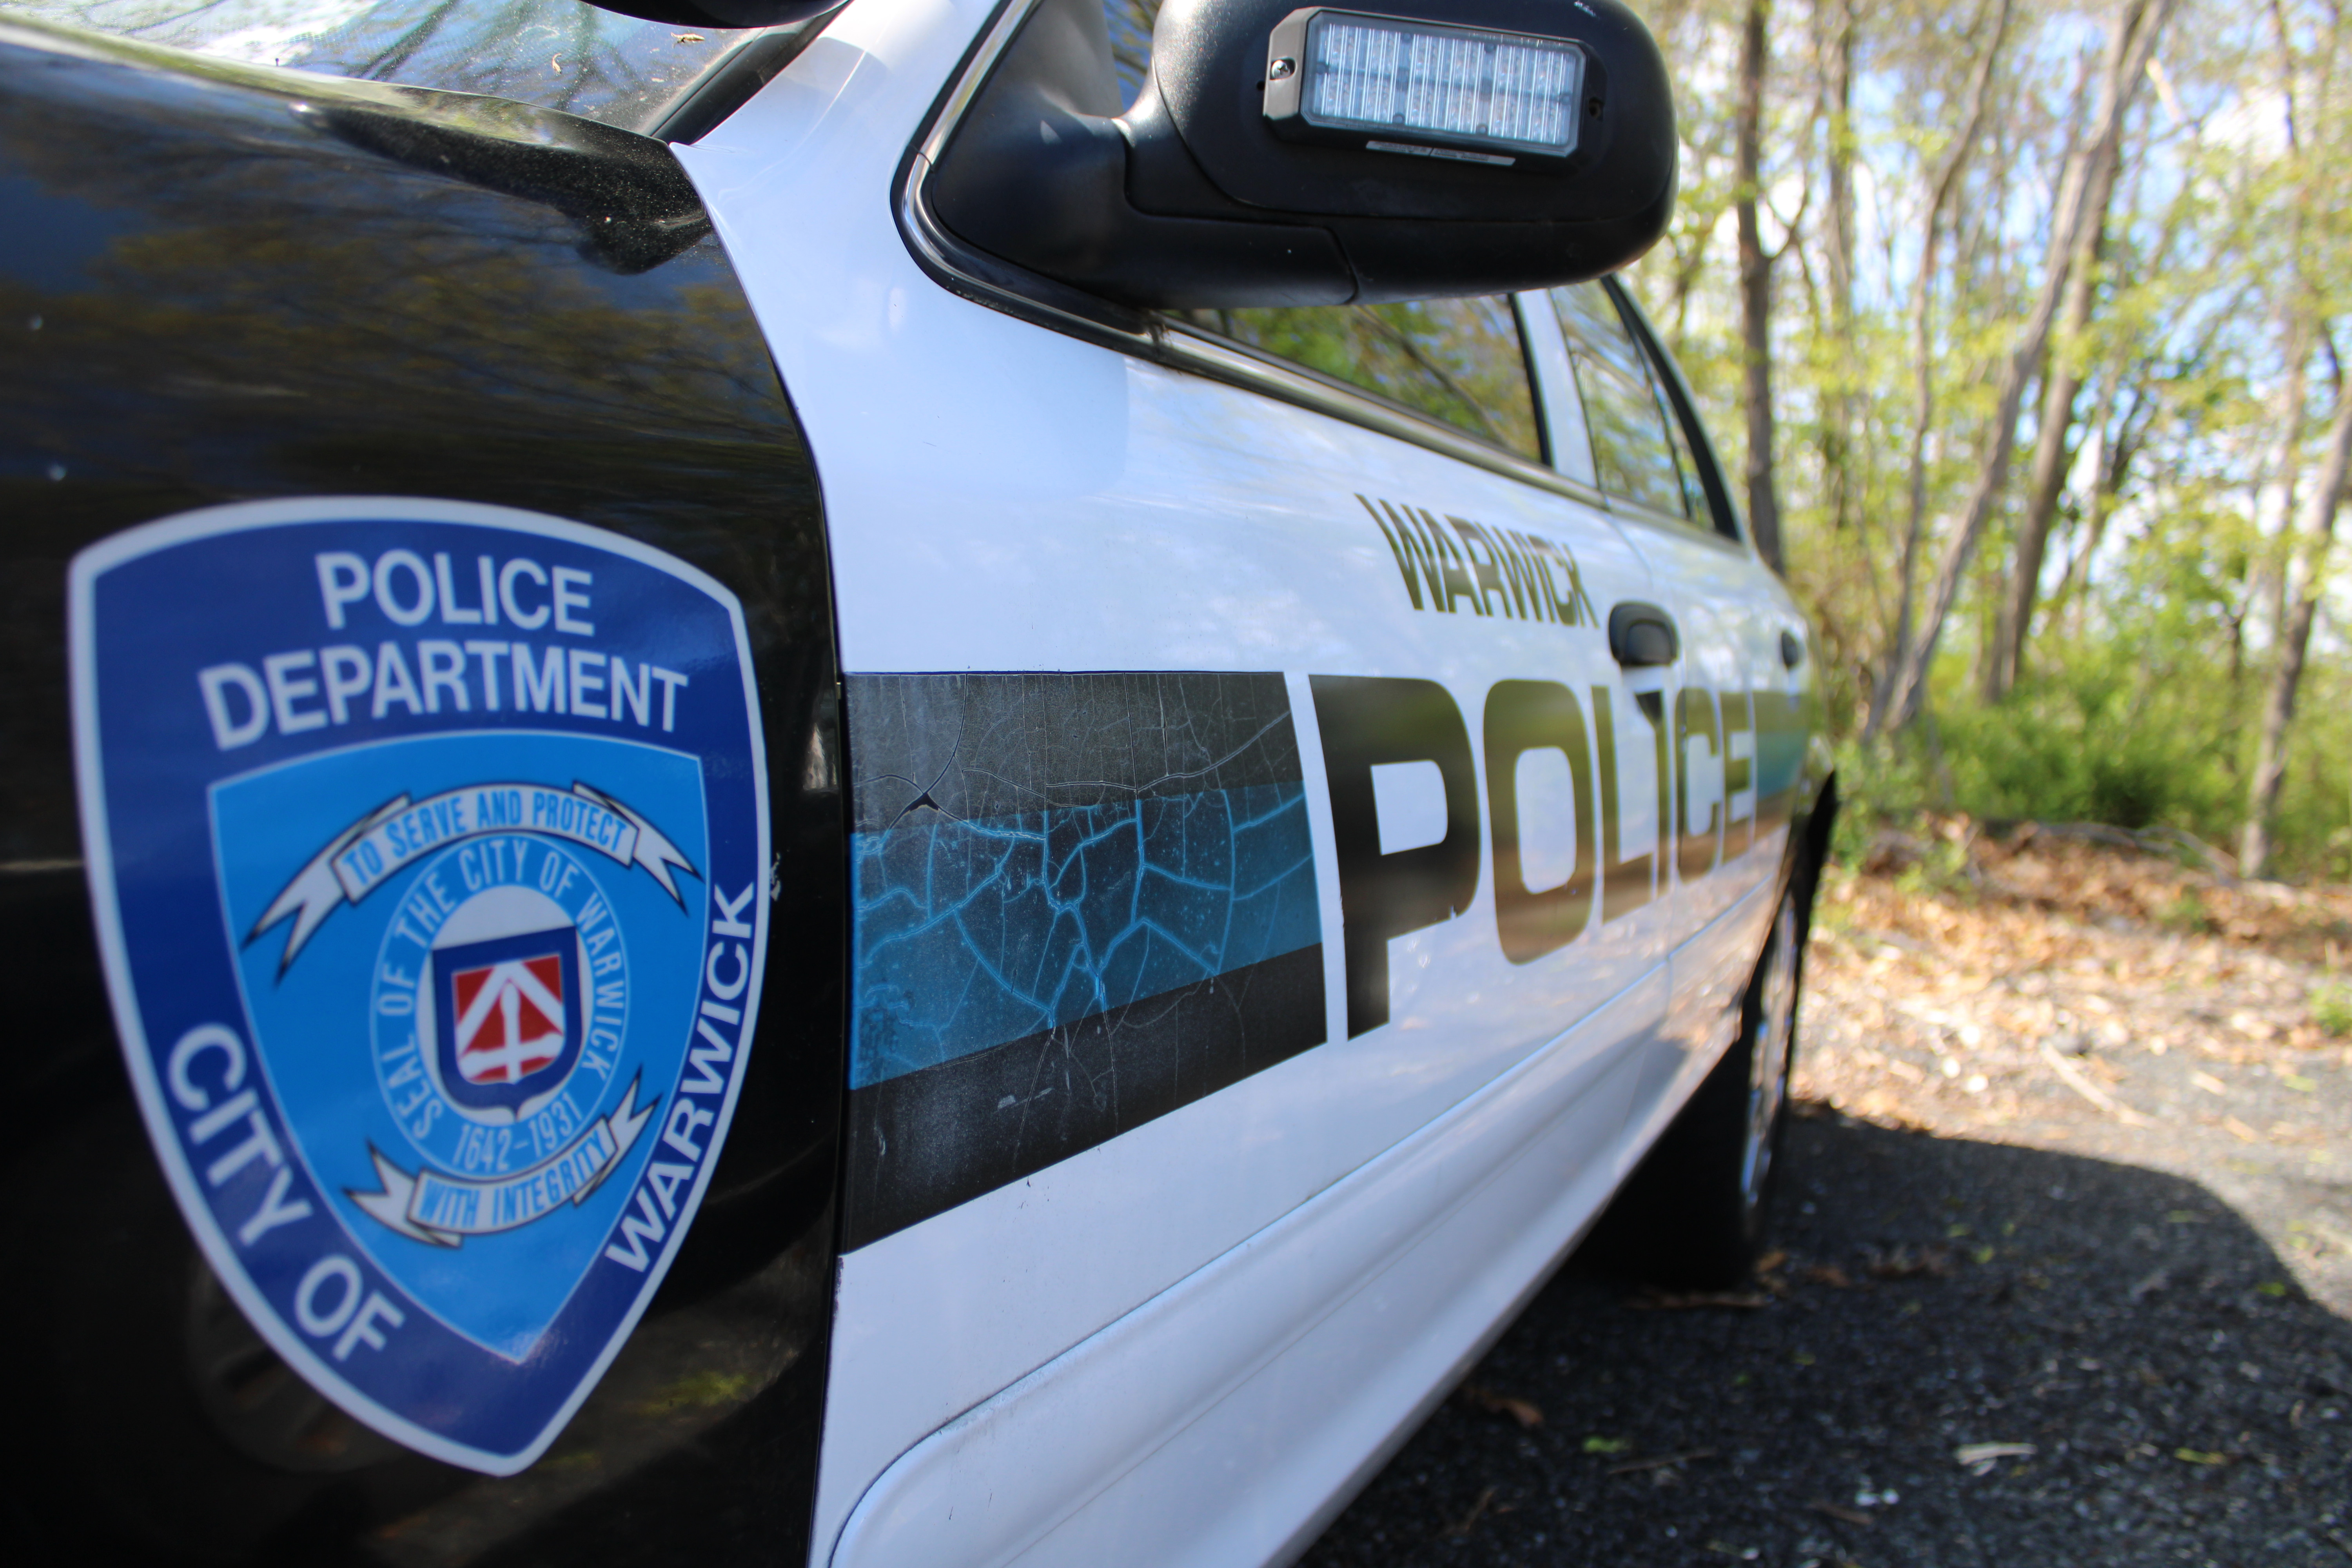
[2185,1401]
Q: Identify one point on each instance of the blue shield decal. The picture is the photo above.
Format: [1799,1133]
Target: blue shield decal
[428,843]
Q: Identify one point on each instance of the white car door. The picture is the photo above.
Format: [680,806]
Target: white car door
[1734,699]
[1260,908]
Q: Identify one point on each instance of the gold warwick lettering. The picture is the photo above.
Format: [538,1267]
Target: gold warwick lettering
[1500,571]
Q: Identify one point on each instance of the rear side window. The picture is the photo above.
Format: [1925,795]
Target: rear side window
[1459,361]
[1695,501]
[1638,454]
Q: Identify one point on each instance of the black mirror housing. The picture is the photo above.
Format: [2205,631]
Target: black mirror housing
[1199,197]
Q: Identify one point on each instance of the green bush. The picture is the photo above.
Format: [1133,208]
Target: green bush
[2141,708]
[2098,739]
[1882,785]
[2186,913]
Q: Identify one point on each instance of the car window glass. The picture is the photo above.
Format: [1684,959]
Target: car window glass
[1633,451]
[557,54]
[1455,360]
[1130,43]
[1695,501]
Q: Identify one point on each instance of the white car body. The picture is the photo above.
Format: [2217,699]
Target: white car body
[1190,1344]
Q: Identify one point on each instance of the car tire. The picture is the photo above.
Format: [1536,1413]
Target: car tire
[1696,1214]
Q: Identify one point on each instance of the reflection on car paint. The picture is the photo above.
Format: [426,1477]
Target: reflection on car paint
[560,54]
[232,305]
[1453,360]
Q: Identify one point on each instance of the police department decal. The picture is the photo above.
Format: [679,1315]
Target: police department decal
[429,845]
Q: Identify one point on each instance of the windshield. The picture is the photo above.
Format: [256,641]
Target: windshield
[558,54]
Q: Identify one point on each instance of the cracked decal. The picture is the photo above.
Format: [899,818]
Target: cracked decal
[1080,902]
[973,934]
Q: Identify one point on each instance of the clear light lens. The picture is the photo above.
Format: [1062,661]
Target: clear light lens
[1503,89]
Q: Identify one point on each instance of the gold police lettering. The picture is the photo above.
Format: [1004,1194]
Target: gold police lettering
[1500,572]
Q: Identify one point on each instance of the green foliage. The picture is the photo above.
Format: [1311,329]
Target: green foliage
[2206,356]
[1941,872]
[1879,786]
[2142,703]
[2331,1009]
[2096,740]
[2186,914]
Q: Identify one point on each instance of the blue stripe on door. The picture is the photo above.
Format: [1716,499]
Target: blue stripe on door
[971,934]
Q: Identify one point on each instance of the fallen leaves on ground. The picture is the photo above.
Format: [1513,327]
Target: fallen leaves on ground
[1655,1301]
[2047,990]
[1902,1263]
[1494,1404]
[1975,1453]
[1660,1461]
[1470,1521]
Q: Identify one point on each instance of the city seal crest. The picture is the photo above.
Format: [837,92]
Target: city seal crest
[429,849]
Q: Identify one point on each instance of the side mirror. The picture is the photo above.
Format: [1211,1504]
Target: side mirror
[1281,155]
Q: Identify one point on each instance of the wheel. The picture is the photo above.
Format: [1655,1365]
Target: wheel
[1770,1036]
[1695,1214]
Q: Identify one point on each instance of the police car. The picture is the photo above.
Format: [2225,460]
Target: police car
[928,781]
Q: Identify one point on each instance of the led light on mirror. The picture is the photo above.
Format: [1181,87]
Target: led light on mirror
[1470,94]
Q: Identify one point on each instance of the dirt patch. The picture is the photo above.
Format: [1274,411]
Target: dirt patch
[2068,995]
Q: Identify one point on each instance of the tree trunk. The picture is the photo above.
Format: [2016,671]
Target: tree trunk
[2276,483]
[1907,689]
[1839,417]
[2119,438]
[2254,845]
[1842,411]
[1923,369]
[2062,382]
[1756,289]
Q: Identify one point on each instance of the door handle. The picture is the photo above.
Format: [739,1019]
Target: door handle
[1792,649]
[1641,636]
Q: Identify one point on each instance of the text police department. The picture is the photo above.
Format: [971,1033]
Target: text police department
[290,687]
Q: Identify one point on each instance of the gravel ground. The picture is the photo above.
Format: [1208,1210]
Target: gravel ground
[2098,1214]
[2066,997]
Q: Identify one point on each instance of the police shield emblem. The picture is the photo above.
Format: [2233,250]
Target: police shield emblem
[428,844]
[510,1008]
